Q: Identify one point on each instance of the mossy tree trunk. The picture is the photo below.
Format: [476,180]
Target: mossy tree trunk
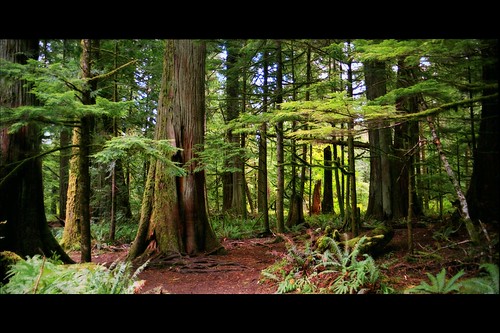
[23,224]
[174,216]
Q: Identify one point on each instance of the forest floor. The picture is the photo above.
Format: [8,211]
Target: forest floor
[239,270]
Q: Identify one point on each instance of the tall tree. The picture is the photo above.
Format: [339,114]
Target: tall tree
[77,227]
[23,224]
[174,217]
[327,202]
[483,194]
[86,123]
[238,203]
[380,138]
[262,194]
[280,150]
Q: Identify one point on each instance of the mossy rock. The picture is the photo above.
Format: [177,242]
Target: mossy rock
[7,258]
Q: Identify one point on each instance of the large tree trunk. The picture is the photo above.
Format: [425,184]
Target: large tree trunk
[483,194]
[402,140]
[379,136]
[178,218]
[23,224]
[84,154]
[71,233]
[237,184]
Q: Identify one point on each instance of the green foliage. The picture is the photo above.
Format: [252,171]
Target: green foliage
[338,271]
[225,226]
[483,284]
[41,275]
[352,275]
[438,284]
[128,146]
[125,232]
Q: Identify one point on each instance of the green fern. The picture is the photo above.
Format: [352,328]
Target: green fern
[353,275]
[438,284]
[39,275]
[486,284]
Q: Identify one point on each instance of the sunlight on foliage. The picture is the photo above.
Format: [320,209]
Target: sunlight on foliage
[126,147]
[41,275]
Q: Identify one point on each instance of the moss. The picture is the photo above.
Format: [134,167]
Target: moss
[7,258]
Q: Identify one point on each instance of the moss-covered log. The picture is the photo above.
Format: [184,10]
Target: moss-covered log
[375,240]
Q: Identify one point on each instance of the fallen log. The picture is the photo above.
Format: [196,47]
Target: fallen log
[374,241]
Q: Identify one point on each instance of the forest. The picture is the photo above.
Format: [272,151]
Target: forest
[170,147]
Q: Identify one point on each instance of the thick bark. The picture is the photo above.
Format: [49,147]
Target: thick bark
[84,154]
[71,233]
[379,136]
[235,200]
[23,224]
[179,218]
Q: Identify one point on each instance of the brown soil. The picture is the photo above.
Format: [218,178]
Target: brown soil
[239,271]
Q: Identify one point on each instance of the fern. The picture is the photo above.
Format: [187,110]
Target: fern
[438,284]
[40,275]
[486,284]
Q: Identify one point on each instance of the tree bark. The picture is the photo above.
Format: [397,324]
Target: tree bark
[483,194]
[178,221]
[23,224]
[379,136]
[280,192]
[327,203]
[473,234]
[262,195]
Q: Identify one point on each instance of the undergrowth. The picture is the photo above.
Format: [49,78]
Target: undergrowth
[42,275]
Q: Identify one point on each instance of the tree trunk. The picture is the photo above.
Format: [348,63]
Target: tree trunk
[178,221]
[316,198]
[84,154]
[262,195]
[23,224]
[355,224]
[483,194]
[71,233]
[327,203]
[65,140]
[379,136]
[280,193]
[461,198]
[399,167]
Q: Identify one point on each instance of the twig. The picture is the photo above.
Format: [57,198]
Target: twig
[444,247]
[39,276]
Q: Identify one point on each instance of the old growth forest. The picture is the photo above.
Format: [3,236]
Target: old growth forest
[280,166]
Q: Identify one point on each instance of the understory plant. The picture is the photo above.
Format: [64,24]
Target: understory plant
[337,270]
[42,275]
[485,283]
[439,284]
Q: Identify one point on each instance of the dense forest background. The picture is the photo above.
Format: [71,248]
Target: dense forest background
[358,131]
